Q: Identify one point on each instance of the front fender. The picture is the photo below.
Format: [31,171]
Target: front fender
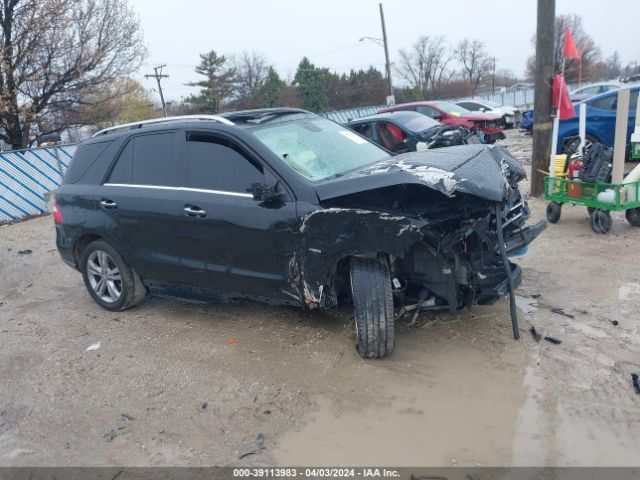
[329,235]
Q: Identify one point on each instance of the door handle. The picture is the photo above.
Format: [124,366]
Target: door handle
[108,204]
[194,211]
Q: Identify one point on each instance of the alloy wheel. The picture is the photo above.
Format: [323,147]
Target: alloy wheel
[104,276]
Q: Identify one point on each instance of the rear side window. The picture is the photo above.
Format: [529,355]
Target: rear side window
[213,163]
[146,160]
[85,156]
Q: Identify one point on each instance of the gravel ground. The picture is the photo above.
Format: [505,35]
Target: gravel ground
[182,384]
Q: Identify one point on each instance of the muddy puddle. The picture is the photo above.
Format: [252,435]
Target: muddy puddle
[430,404]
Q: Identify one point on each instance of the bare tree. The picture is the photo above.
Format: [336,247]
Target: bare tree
[121,101]
[424,66]
[475,62]
[53,53]
[586,46]
[251,70]
[614,65]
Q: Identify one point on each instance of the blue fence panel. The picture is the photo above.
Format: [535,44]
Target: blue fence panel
[27,175]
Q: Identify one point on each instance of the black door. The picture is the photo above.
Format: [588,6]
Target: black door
[231,241]
[139,204]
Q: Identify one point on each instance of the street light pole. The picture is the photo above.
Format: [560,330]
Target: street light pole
[386,56]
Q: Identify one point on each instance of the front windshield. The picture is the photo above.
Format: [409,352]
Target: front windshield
[451,108]
[318,148]
[416,123]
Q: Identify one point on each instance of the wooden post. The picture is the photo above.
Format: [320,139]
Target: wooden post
[620,142]
[542,98]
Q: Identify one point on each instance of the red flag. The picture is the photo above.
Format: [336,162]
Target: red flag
[561,99]
[569,49]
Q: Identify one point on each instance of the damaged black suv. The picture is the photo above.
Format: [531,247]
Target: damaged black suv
[284,206]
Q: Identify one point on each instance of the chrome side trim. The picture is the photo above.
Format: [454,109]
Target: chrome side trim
[180,189]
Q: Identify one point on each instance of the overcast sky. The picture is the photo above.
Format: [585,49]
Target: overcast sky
[327,31]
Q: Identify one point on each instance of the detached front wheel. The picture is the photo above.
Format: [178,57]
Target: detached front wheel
[373,306]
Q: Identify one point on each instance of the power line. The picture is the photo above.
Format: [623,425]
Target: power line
[159,76]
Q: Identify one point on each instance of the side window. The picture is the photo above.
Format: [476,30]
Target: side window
[152,159]
[606,103]
[391,137]
[363,129]
[428,111]
[212,163]
[146,160]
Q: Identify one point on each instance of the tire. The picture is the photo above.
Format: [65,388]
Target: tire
[373,306]
[121,287]
[554,210]
[633,216]
[572,143]
[601,221]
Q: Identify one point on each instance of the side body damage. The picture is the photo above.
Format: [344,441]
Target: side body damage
[437,228]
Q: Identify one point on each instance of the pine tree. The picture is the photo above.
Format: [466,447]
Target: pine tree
[271,92]
[311,86]
[219,83]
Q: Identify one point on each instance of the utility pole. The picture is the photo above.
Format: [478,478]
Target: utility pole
[159,76]
[386,56]
[493,77]
[542,100]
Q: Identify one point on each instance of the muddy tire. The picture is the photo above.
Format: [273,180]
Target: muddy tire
[601,221]
[109,280]
[554,210]
[633,216]
[373,306]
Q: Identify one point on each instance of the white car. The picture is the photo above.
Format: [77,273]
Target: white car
[510,115]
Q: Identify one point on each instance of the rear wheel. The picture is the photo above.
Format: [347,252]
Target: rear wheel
[373,306]
[110,281]
[633,216]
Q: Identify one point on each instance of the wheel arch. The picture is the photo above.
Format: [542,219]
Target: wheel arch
[82,243]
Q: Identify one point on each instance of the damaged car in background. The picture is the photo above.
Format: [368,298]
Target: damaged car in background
[286,207]
[405,131]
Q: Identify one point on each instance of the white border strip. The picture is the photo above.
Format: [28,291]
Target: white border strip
[181,189]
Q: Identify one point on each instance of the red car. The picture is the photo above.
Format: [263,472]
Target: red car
[486,125]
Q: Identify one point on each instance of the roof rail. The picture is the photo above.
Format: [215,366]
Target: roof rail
[178,118]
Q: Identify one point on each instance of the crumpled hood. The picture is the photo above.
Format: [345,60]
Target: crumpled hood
[485,171]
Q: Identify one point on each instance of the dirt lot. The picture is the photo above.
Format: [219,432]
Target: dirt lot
[166,387]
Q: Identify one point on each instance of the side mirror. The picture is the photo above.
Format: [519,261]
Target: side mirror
[438,116]
[482,109]
[266,193]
